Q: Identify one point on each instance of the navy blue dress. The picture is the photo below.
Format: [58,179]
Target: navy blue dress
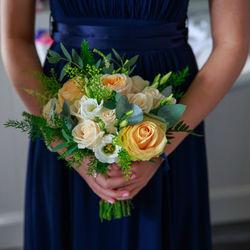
[172,211]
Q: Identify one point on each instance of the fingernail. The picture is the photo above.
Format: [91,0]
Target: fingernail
[111,201]
[133,176]
[125,195]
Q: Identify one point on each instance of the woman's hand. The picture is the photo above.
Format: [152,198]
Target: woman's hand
[142,172]
[100,185]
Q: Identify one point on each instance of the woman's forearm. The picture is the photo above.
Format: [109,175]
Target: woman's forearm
[210,85]
[19,56]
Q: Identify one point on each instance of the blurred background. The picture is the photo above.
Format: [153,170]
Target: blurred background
[228,146]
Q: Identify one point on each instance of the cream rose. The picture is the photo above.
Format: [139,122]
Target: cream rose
[71,90]
[108,116]
[142,100]
[46,111]
[75,110]
[87,134]
[138,84]
[120,83]
[157,96]
[144,140]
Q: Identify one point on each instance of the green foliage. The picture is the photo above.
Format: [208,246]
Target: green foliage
[95,165]
[86,54]
[180,127]
[125,162]
[175,79]
[49,87]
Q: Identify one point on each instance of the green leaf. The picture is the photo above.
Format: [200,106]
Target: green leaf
[132,61]
[137,115]
[65,52]
[66,109]
[171,113]
[123,106]
[68,123]
[66,136]
[54,59]
[53,53]
[109,105]
[52,108]
[71,149]
[60,146]
[63,71]
[117,96]
[97,65]
[159,118]
[76,58]
[167,91]
[117,54]
[86,54]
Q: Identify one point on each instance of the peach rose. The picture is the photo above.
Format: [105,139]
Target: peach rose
[144,140]
[117,82]
[157,96]
[87,134]
[71,90]
[142,100]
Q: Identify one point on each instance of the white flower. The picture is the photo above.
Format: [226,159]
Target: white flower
[108,117]
[138,84]
[106,151]
[90,108]
[87,134]
[120,83]
[144,101]
[173,101]
[157,96]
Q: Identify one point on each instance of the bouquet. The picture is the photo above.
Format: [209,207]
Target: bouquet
[104,113]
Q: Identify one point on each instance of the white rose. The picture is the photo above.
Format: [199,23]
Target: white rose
[90,108]
[87,134]
[157,96]
[107,152]
[108,116]
[120,83]
[142,100]
[138,84]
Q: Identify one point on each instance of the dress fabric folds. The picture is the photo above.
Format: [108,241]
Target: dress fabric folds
[172,211]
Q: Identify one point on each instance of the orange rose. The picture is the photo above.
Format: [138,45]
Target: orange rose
[144,140]
[71,90]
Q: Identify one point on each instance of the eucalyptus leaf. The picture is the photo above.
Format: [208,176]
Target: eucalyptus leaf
[52,109]
[117,96]
[76,58]
[65,52]
[122,107]
[137,115]
[54,59]
[130,72]
[66,109]
[97,65]
[161,119]
[110,69]
[171,113]
[60,146]
[167,91]
[68,123]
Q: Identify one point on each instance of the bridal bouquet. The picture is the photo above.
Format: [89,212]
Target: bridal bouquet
[104,113]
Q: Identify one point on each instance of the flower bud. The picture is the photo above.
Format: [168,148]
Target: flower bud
[130,112]
[123,123]
[116,123]
[101,125]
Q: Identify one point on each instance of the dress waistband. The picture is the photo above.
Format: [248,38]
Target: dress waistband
[123,37]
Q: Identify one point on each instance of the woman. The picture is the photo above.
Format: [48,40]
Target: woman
[171,208]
